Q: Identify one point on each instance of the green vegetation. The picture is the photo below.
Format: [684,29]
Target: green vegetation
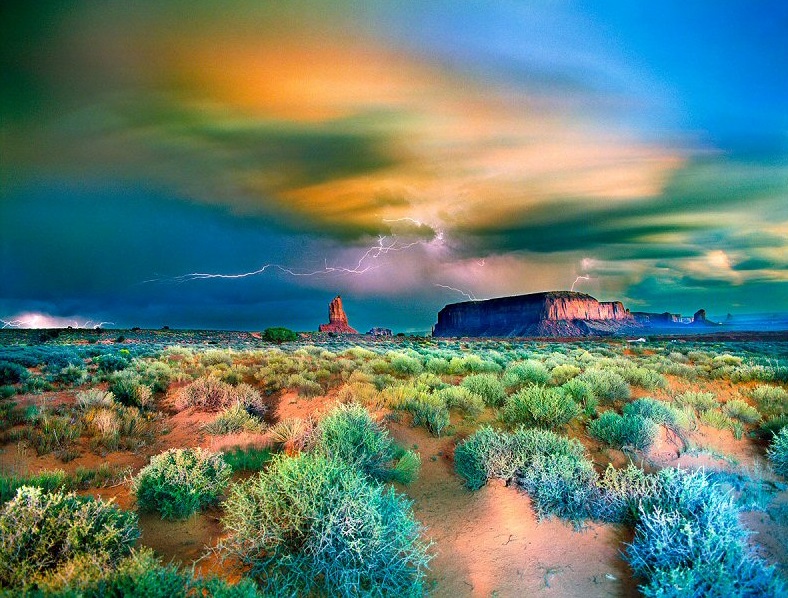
[233,420]
[542,407]
[311,524]
[624,431]
[778,453]
[487,386]
[180,482]
[42,532]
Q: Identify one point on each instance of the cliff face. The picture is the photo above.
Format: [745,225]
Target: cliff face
[337,319]
[557,313]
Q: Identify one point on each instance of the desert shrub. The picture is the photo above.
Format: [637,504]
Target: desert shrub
[772,426]
[627,431]
[127,387]
[12,373]
[530,371]
[247,458]
[643,377]
[561,374]
[771,400]
[716,419]
[350,435]
[657,411]
[623,491]
[404,364]
[688,542]
[699,401]
[233,420]
[606,385]
[279,335]
[541,407]
[560,485]
[484,455]
[738,409]
[216,357]
[7,391]
[211,394]
[459,397]
[487,386]
[430,411]
[581,393]
[179,482]
[72,374]
[141,574]
[437,365]
[156,375]
[94,397]
[35,385]
[111,362]
[118,427]
[304,386]
[54,433]
[39,531]
[293,433]
[311,525]
[778,453]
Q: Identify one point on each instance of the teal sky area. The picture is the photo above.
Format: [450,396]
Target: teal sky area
[237,164]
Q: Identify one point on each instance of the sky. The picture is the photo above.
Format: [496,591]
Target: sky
[236,165]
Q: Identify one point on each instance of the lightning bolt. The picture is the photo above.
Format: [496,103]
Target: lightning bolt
[469,295]
[579,278]
[14,323]
[384,245]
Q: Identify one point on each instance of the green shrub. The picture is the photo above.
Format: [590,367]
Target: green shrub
[542,407]
[530,371]
[606,385]
[127,388]
[140,575]
[94,397]
[459,397]
[628,431]
[311,525]
[716,419]
[39,531]
[233,420]
[111,362]
[279,335]
[12,373]
[72,374]
[561,374]
[404,364]
[657,411]
[778,453]
[487,386]
[738,409]
[350,435]
[429,411]
[249,458]
[771,400]
[582,394]
[699,401]
[179,482]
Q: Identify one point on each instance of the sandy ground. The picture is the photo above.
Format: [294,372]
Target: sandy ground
[485,543]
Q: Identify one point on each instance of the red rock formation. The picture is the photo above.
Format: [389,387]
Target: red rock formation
[337,319]
[557,313]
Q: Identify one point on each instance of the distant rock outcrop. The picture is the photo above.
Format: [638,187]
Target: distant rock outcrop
[554,313]
[337,319]
[380,331]
[699,317]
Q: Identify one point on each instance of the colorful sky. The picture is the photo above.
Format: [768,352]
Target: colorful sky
[404,154]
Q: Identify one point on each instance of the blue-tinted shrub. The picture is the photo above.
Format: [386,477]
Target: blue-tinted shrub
[657,411]
[12,373]
[778,453]
[430,411]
